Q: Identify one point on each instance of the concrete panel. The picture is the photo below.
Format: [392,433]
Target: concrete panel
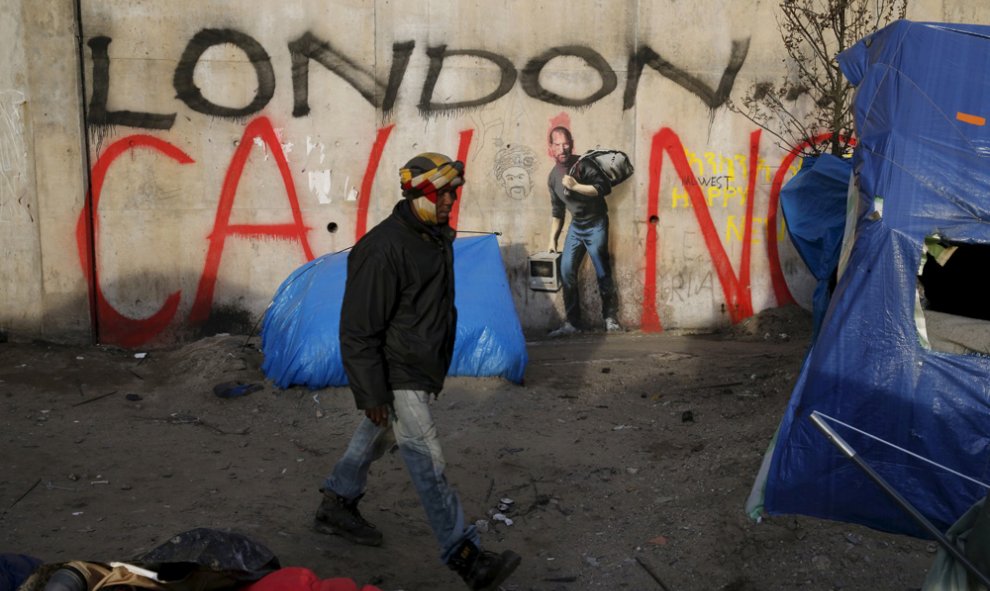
[59,165]
[20,254]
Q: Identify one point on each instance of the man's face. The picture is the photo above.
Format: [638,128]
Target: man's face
[445,202]
[560,147]
[516,182]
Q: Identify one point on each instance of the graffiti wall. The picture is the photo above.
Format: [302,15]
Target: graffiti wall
[225,147]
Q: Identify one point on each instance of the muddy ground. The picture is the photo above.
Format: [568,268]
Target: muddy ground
[628,456]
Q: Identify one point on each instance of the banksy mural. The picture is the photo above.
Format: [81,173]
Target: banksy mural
[579,189]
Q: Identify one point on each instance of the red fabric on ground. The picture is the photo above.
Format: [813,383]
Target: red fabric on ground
[297,578]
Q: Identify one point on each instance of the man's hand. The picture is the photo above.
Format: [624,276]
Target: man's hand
[571,184]
[378,415]
[552,246]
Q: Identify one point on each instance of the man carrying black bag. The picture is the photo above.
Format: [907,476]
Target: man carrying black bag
[587,234]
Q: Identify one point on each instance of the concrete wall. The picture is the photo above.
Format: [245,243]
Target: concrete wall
[226,146]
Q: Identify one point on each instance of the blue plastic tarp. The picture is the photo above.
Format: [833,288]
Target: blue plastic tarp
[915,415]
[814,206]
[300,332]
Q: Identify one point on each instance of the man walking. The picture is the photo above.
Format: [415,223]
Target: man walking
[587,234]
[397,328]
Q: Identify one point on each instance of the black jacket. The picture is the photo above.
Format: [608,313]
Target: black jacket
[581,207]
[398,320]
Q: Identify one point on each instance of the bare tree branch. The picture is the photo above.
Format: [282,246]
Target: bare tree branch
[813,97]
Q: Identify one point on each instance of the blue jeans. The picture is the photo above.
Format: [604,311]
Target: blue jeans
[414,430]
[589,237]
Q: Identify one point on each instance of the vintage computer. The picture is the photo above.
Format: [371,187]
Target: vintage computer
[544,271]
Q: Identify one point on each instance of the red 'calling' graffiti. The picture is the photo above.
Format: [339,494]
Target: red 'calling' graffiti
[116,328]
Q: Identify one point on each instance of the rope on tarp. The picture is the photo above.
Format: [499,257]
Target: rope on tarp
[901,449]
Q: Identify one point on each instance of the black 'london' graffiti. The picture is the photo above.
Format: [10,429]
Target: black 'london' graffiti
[382,95]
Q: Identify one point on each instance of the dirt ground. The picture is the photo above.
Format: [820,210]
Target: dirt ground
[628,457]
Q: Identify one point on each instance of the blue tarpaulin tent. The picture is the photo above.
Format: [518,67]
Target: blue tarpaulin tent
[814,205]
[300,339]
[919,417]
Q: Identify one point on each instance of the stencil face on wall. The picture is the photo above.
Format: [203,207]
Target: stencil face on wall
[514,167]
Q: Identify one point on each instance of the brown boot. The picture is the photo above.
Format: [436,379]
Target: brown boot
[337,515]
[483,570]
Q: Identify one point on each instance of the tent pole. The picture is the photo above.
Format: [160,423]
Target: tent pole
[846,449]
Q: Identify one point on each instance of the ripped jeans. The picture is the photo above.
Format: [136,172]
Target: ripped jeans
[414,430]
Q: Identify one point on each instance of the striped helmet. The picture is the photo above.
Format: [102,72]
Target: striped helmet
[429,172]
